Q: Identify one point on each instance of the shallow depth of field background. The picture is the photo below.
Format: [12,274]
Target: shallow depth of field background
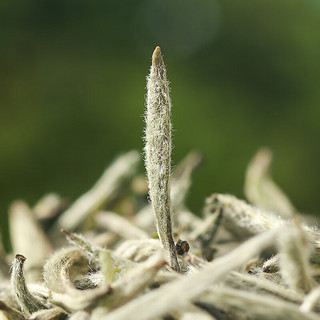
[72,86]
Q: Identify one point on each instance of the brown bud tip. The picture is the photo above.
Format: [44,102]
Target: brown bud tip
[21,258]
[67,234]
[156,56]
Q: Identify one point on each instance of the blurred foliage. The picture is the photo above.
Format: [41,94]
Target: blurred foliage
[72,85]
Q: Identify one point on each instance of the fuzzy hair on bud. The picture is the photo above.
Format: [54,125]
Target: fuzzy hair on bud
[27,302]
[158,152]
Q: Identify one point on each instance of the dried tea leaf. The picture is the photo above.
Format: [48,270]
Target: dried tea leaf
[27,302]
[262,191]
[51,314]
[49,206]
[241,219]
[28,238]
[91,251]
[252,283]
[178,294]
[119,225]
[138,250]
[104,190]
[79,300]
[239,304]
[295,250]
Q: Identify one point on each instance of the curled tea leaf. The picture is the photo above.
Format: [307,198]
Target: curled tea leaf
[64,268]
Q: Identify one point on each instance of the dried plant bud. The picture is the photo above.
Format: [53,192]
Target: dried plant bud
[79,241]
[112,180]
[132,279]
[241,219]
[138,250]
[177,295]
[240,304]
[49,206]
[295,251]
[80,300]
[27,302]
[28,238]
[262,286]
[158,152]
[119,225]
[262,191]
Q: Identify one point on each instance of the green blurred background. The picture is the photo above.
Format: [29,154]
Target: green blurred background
[243,74]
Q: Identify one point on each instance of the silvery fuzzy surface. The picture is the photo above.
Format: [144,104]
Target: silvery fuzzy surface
[239,261]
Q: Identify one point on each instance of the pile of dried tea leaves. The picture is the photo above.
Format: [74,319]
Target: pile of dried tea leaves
[109,254]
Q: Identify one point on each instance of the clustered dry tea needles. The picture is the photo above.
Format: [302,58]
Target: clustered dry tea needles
[237,261]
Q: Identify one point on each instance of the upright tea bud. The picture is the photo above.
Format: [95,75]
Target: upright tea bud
[158,152]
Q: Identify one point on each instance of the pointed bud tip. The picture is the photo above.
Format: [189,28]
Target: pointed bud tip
[156,55]
[66,233]
[21,257]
